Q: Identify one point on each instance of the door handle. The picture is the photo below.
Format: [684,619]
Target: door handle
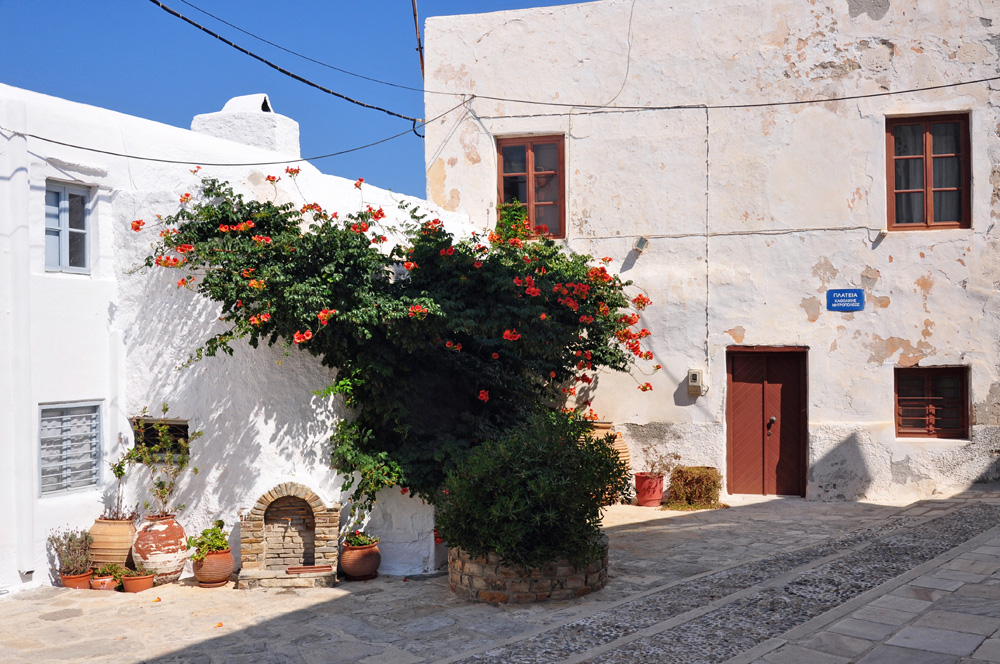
[772,420]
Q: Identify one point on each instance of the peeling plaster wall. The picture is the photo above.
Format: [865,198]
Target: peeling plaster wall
[117,338]
[792,198]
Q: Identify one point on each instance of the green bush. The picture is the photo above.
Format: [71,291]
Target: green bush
[211,540]
[535,494]
[695,485]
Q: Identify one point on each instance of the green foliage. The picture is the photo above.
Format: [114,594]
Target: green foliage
[358,538]
[112,569]
[138,571]
[535,494]
[211,540]
[72,550]
[164,456]
[695,485]
[439,344]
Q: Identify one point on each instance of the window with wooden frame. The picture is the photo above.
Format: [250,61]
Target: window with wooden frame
[530,172]
[929,172]
[932,403]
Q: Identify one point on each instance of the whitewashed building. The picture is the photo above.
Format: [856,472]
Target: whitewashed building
[824,274]
[85,344]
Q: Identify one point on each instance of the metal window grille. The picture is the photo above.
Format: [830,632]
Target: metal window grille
[70,441]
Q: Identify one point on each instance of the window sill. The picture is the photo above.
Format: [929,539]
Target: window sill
[945,442]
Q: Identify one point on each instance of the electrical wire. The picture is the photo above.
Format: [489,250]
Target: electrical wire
[256,163]
[565,104]
[280,69]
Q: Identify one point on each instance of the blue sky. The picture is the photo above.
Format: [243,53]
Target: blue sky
[131,56]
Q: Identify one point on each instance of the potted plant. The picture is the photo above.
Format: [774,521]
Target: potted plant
[138,579]
[212,561]
[107,576]
[359,556]
[114,530]
[160,544]
[72,550]
[649,482]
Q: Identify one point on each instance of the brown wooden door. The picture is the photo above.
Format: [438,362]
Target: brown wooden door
[766,421]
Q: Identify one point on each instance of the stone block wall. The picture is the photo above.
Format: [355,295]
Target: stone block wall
[289,534]
[487,580]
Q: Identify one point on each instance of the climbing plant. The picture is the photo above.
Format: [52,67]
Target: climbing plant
[439,344]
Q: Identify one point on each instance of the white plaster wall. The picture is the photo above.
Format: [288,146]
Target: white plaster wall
[752,214]
[117,337]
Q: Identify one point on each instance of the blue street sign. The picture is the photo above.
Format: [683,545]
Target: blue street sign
[845,299]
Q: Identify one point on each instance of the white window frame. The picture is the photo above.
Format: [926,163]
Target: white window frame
[62,230]
[97,454]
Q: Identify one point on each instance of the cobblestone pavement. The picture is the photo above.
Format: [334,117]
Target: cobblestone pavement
[768,580]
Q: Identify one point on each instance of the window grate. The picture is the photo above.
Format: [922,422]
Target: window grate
[70,447]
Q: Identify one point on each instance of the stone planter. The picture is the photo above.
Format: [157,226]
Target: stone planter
[360,562]
[487,580]
[112,541]
[214,571]
[161,547]
[77,581]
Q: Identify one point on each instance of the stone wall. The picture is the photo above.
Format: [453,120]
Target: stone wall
[289,534]
[487,580]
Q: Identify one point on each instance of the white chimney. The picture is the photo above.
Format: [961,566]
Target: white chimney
[251,120]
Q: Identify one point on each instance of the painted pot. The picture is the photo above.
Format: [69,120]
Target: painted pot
[112,541]
[360,562]
[103,583]
[214,571]
[649,489]
[161,547]
[78,581]
[136,584]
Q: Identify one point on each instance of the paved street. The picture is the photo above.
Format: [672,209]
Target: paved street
[768,580]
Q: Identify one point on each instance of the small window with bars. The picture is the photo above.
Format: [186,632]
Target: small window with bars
[932,403]
[70,442]
[161,437]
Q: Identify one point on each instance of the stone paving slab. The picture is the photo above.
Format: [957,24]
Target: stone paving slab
[685,587]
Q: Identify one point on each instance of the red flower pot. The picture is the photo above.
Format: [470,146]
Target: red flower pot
[214,571]
[360,562]
[136,584]
[649,489]
[78,581]
[161,547]
[103,583]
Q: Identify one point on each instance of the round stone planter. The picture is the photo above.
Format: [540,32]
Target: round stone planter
[486,580]
[112,541]
[161,547]
[214,571]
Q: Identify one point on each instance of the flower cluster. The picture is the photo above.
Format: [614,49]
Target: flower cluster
[301,337]
[418,311]
[484,396]
[261,239]
[292,172]
[357,185]
[272,179]
[168,261]
[185,198]
[324,316]
[137,225]
[259,318]
[257,284]
[511,335]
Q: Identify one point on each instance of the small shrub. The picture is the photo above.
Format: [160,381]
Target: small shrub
[358,538]
[534,495]
[72,549]
[211,540]
[114,570]
[138,571]
[695,485]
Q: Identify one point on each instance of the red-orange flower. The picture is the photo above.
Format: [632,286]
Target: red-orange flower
[292,172]
[484,396]
[645,387]
[301,337]
[511,335]
[410,265]
[137,225]
[185,198]
[272,179]
[496,356]
[357,185]
[418,310]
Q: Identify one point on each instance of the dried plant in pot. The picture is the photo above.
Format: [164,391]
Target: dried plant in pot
[212,560]
[657,463]
[138,579]
[72,551]
[114,530]
[359,556]
[160,544]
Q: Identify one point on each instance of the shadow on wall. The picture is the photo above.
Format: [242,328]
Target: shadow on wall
[842,473]
[262,422]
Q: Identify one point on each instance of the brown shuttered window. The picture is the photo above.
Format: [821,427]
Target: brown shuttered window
[929,172]
[932,403]
[530,172]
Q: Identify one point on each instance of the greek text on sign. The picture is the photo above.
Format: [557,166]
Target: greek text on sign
[845,299]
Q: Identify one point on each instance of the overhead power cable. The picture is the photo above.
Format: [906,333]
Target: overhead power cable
[202,163]
[280,69]
[537,102]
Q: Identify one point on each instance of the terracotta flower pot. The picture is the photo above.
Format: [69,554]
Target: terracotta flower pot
[161,547]
[136,584]
[360,562]
[214,571]
[103,583]
[78,581]
[649,489]
[112,541]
